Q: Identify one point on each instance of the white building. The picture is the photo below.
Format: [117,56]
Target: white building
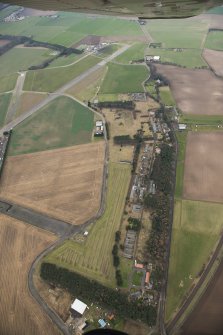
[182,126]
[78,306]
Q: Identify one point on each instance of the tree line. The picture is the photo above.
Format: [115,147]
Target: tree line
[90,290]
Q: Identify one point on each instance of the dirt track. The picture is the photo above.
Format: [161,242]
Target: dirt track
[207,318]
[195,91]
[215,60]
[203,167]
[20,244]
[62,183]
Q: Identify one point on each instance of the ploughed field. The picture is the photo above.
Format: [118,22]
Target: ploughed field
[206,318]
[214,59]
[63,183]
[20,244]
[203,167]
[195,91]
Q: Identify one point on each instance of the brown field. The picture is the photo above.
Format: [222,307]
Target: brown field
[203,167]
[62,183]
[4,42]
[206,319]
[20,244]
[87,88]
[195,91]
[215,60]
[28,100]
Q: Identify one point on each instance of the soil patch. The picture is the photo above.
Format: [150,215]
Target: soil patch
[215,60]
[20,243]
[206,319]
[195,91]
[63,183]
[203,167]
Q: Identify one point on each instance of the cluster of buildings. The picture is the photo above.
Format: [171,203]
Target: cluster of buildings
[99,128]
[82,316]
[97,47]
[151,58]
[15,16]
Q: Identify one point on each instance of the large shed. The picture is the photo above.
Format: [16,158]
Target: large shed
[78,306]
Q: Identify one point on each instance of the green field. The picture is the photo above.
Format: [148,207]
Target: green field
[4,103]
[108,97]
[137,278]
[65,60]
[64,122]
[18,59]
[124,79]
[190,58]
[135,52]
[181,138]
[108,50]
[173,33]
[49,80]
[216,10]
[166,96]
[151,88]
[214,40]
[69,28]
[8,11]
[7,83]
[202,119]
[196,228]
[93,257]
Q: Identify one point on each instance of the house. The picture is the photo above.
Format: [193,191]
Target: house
[78,306]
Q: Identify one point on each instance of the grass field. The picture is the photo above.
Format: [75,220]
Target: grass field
[175,33]
[196,229]
[62,123]
[18,59]
[214,40]
[108,50]
[202,119]
[124,79]
[65,60]
[190,58]
[69,28]
[166,96]
[216,10]
[137,278]
[4,103]
[87,88]
[108,97]
[181,138]
[27,101]
[93,258]
[7,83]
[135,52]
[20,244]
[49,80]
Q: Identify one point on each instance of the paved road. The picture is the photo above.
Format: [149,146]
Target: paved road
[34,218]
[62,90]
[15,97]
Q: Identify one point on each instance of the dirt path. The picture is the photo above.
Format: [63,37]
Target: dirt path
[14,103]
